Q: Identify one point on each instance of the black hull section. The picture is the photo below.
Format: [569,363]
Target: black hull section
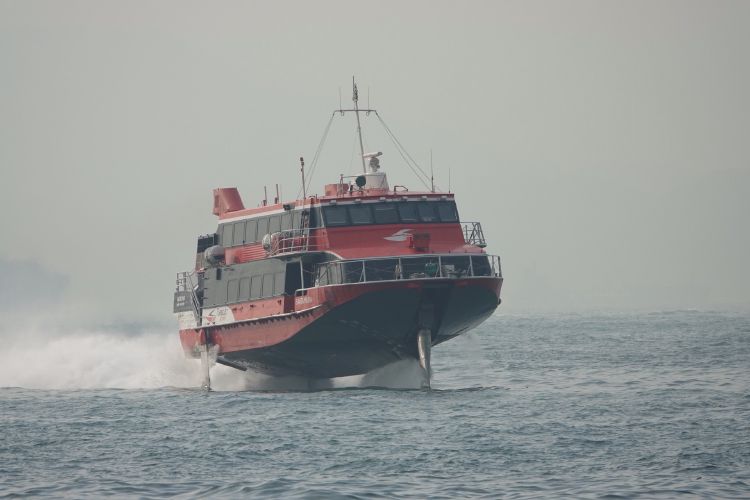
[374,329]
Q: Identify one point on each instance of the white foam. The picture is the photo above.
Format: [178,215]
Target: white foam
[89,360]
[94,360]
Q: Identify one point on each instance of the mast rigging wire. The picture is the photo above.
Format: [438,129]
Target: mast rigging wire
[314,162]
[424,179]
[408,159]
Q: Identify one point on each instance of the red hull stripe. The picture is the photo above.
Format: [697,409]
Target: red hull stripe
[270,330]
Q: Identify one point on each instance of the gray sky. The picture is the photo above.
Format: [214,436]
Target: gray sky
[604,146]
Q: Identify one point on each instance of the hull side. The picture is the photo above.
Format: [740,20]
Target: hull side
[356,328]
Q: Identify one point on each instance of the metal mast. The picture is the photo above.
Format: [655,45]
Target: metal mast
[355,98]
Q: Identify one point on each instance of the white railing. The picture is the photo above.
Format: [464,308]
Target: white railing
[301,240]
[451,266]
[185,284]
[291,241]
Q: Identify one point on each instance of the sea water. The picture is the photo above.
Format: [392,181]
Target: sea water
[539,405]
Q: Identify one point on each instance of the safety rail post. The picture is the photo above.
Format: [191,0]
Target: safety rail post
[290,240]
[185,284]
[335,272]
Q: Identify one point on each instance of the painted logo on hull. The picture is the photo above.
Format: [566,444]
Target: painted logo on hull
[399,235]
[218,316]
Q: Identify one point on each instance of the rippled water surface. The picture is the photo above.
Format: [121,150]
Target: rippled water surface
[625,405]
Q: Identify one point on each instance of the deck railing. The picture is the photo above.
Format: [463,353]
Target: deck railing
[186,285]
[304,240]
[291,241]
[451,266]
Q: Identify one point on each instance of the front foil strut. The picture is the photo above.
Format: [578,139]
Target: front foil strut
[205,360]
[424,346]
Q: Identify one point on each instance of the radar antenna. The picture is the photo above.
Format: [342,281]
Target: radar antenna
[355,98]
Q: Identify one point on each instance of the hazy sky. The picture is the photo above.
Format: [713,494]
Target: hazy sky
[604,146]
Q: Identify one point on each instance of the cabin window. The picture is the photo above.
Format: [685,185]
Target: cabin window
[316,217]
[456,266]
[262,228]
[335,216]
[404,212]
[419,267]
[256,283]
[232,290]
[251,231]
[407,212]
[329,274]
[481,266]
[293,278]
[426,211]
[244,288]
[360,214]
[226,235]
[278,285]
[447,211]
[267,285]
[239,233]
[353,272]
[297,219]
[286,221]
[385,213]
[382,269]
[275,224]
[207,241]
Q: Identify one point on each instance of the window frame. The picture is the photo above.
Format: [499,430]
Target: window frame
[286,221]
[270,278]
[274,224]
[245,280]
[256,281]
[365,208]
[391,207]
[227,229]
[447,204]
[412,206]
[333,208]
[262,224]
[233,286]
[254,224]
[238,238]
[279,283]
[427,205]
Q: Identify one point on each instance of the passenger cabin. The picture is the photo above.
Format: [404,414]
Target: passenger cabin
[267,255]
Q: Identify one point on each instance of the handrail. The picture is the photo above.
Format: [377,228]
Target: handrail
[473,234]
[291,241]
[438,266]
[305,239]
[185,284]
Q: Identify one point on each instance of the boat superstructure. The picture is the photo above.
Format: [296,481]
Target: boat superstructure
[336,284]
